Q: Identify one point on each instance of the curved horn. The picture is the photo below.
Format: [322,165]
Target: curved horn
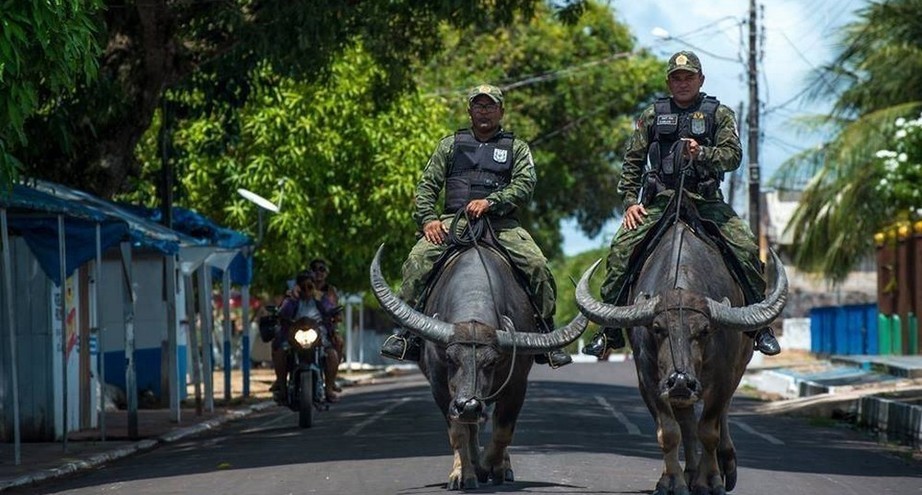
[403,314]
[539,343]
[758,315]
[610,315]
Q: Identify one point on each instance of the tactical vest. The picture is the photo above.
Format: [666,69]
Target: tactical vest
[477,168]
[699,123]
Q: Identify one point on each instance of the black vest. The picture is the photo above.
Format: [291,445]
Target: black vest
[477,169]
[698,122]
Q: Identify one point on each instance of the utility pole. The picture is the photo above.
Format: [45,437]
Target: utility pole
[736,177]
[754,176]
[753,127]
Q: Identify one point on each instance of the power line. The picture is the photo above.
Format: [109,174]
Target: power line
[546,76]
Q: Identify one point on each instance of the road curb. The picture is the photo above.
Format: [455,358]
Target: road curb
[97,460]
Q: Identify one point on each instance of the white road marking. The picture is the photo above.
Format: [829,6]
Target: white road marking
[748,429]
[632,429]
[357,428]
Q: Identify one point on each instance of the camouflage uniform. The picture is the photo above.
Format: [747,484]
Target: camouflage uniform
[525,253]
[724,156]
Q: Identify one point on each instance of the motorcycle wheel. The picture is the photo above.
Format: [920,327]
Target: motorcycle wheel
[306,399]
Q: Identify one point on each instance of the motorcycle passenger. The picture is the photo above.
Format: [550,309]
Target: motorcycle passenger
[300,303]
[328,296]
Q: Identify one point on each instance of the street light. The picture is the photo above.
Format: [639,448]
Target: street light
[263,204]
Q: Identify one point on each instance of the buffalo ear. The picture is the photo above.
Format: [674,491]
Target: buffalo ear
[507,324]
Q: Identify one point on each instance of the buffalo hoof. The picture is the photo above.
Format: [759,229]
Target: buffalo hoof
[671,485]
[730,481]
[714,486]
[456,482]
[703,490]
[501,477]
[510,476]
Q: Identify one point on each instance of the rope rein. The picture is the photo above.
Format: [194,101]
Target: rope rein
[468,237]
[679,147]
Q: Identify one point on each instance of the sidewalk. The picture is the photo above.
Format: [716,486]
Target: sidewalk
[880,393]
[86,450]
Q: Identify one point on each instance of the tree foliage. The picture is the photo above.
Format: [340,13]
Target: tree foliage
[45,49]
[349,164]
[89,137]
[875,78]
[341,168]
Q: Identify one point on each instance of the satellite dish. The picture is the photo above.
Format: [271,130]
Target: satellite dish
[259,200]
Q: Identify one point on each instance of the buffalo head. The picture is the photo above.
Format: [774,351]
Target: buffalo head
[440,332]
[683,326]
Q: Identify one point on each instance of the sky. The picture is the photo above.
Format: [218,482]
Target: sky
[799,36]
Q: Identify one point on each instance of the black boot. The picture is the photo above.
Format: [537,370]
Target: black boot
[606,338]
[402,346]
[765,342]
[557,357]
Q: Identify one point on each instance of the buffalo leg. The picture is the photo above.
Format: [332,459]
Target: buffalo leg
[463,476]
[669,436]
[689,425]
[496,462]
[708,480]
[726,454]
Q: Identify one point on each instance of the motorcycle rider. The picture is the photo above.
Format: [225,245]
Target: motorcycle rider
[300,303]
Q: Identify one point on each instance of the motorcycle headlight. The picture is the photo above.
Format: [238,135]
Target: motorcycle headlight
[306,337]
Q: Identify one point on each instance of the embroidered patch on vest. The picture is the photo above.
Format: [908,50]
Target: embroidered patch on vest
[667,119]
[499,156]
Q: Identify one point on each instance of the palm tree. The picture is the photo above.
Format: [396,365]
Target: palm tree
[875,78]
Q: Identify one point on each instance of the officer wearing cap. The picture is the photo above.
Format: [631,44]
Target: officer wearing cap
[688,124]
[484,170]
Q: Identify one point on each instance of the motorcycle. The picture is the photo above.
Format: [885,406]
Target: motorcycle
[305,391]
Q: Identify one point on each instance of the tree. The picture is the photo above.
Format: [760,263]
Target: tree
[349,161]
[342,168]
[89,137]
[46,48]
[876,78]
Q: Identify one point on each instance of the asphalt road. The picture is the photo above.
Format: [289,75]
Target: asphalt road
[583,430]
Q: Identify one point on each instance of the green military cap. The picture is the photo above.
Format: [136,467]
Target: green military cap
[493,92]
[684,60]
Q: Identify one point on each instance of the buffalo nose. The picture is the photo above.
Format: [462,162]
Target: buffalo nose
[679,380]
[467,410]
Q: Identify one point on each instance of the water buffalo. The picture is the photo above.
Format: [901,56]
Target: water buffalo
[480,340]
[686,328]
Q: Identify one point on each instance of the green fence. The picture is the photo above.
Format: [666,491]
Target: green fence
[890,334]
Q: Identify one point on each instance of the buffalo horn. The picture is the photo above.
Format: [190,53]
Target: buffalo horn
[403,314]
[539,343]
[754,316]
[610,315]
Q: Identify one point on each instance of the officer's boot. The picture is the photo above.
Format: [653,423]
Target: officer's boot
[606,338]
[557,357]
[402,346]
[764,341]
